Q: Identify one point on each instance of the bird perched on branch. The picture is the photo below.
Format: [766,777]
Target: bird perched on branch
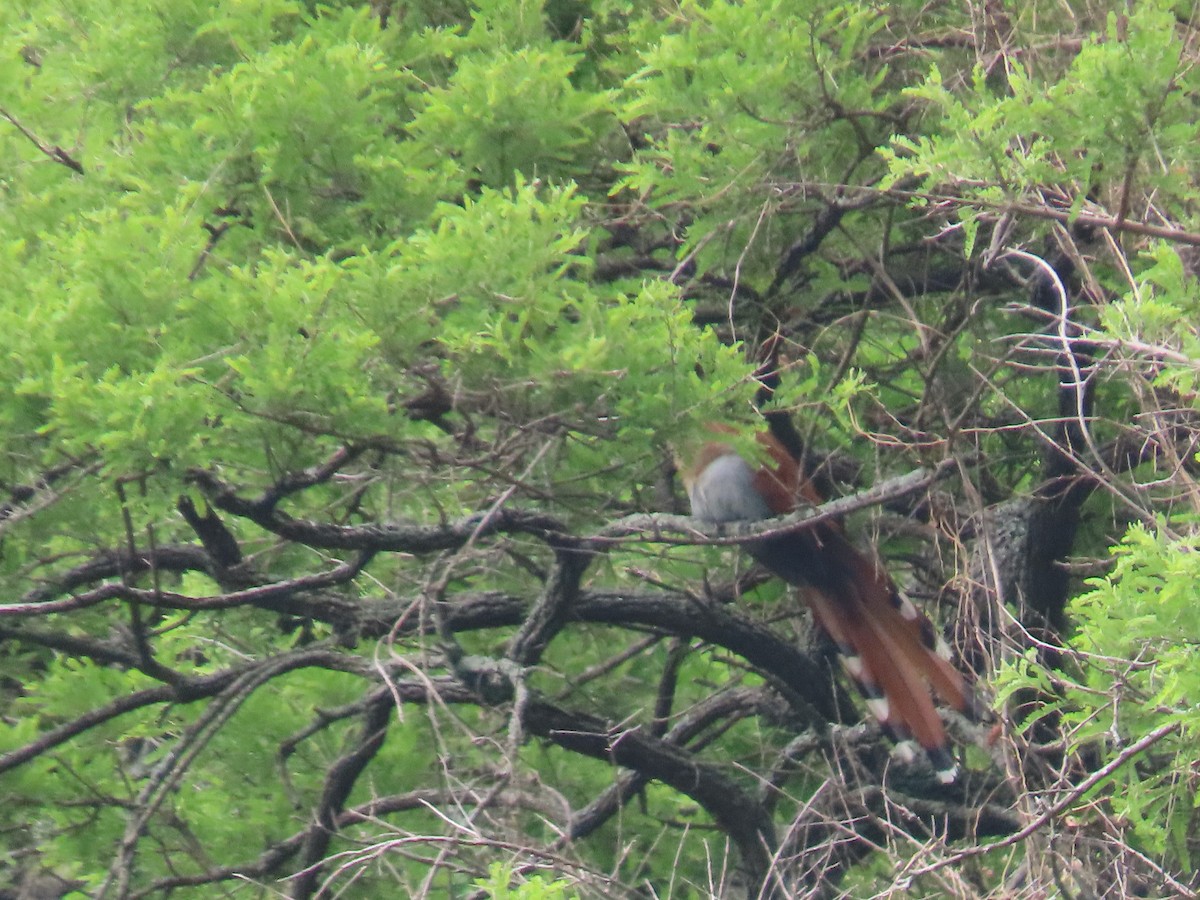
[886,644]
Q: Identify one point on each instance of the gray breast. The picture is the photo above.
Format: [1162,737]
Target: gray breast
[724,492]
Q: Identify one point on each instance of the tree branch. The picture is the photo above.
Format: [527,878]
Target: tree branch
[56,153]
[340,779]
[685,530]
[737,813]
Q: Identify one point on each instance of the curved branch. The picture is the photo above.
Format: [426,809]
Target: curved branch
[26,498]
[339,781]
[552,610]
[379,537]
[187,690]
[736,811]
[662,529]
[103,652]
[115,563]
[806,679]
[724,708]
[278,596]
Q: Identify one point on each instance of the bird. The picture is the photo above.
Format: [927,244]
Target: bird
[885,643]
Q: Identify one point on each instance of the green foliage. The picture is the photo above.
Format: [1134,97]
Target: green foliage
[722,87]
[287,219]
[1060,129]
[514,111]
[493,259]
[1135,629]
[1144,612]
[1158,315]
[1136,633]
[290,146]
[533,887]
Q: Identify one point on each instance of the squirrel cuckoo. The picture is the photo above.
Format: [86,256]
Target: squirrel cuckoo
[885,643]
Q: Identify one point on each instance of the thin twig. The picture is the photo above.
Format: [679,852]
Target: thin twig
[1144,743]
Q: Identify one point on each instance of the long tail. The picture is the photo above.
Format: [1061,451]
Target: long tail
[887,645]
